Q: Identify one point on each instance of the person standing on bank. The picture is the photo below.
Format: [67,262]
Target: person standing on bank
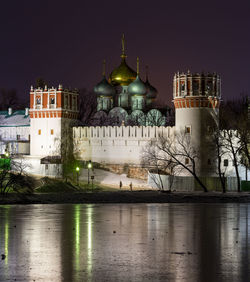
[130,185]
[120,185]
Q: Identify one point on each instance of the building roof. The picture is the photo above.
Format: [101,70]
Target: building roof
[16,119]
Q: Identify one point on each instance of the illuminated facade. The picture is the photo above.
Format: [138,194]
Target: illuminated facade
[196,100]
[47,132]
[52,111]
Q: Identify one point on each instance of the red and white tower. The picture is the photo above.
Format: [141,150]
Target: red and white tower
[52,111]
[196,100]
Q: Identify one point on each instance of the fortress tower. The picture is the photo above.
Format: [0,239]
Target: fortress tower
[196,100]
[52,112]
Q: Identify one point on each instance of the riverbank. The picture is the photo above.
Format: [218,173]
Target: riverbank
[124,197]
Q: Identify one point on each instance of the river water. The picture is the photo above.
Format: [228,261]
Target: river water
[125,242]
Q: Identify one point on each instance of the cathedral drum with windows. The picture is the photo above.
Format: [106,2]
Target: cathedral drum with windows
[52,111]
[196,100]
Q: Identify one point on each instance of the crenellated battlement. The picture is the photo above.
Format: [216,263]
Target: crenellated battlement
[115,144]
[117,132]
[196,85]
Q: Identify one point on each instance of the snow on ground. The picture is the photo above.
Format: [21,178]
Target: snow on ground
[108,178]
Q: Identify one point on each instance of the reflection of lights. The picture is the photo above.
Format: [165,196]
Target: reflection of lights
[77,234]
[89,224]
[6,236]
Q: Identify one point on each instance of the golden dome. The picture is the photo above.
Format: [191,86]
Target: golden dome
[122,75]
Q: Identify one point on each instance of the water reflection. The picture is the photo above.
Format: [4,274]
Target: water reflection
[6,236]
[155,242]
[89,224]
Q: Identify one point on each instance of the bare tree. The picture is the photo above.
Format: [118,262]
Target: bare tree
[87,106]
[8,99]
[13,176]
[234,123]
[219,143]
[244,133]
[232,147]
[178,152]
[157,167]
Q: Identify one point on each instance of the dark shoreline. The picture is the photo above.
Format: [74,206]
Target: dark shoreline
[108,197]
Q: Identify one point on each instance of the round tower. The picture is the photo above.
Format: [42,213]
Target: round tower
[196,100]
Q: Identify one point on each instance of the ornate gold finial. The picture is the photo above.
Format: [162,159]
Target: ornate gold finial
[146,72]
[104,67]
[137,65]
[123,47]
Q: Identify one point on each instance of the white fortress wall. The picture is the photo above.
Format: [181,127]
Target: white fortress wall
[115,144]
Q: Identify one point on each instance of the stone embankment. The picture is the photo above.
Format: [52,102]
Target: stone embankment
[126,197]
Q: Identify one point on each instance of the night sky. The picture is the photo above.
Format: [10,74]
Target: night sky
[66,41]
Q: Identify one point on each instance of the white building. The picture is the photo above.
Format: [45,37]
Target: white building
[48,130]
[15,132]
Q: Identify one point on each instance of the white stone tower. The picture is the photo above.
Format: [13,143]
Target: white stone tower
[52,112]
[196,100]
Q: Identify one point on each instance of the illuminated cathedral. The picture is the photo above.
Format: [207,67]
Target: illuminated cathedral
[127,120]
[124,98]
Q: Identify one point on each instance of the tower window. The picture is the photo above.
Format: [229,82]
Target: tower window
[52,131]
[186,161]
[39,131]
[195,86]
[226,162]
[52,101]
[38,101]
[188,129]
[182,86]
